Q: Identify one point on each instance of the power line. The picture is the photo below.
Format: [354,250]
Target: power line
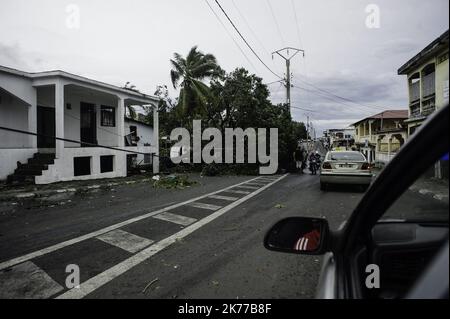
[328,97]
[229,34]
[342,98]
[72,141]
[297,24]
[276,22]
[245,41]
[250,28]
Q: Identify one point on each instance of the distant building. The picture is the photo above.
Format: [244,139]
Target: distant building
[428,87]
[380,136]
[340,138]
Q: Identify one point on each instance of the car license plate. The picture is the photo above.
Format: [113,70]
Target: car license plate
[346,166]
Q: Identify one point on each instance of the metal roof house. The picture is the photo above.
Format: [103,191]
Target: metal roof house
[78,124]
[427,80]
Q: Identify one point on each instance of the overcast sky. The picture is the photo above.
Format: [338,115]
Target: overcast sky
[133,40]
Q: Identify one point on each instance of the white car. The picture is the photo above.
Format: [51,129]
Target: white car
[345,167]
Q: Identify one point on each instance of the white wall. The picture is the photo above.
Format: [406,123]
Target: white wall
[145,134]
[105,135]
[13,114]
[15,147]
[63,169]
[10,157]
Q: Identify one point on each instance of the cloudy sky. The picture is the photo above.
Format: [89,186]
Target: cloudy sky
[119,41]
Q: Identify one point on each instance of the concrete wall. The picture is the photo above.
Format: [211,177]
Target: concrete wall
[10,157]
[145,134]
[13,114]
[442,83]
[17,110]
[63,169]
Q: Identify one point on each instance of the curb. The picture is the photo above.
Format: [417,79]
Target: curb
[46,193]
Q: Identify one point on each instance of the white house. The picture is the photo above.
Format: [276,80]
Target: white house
[88,115]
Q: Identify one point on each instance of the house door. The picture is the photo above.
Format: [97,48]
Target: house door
[45,126]
[88,124]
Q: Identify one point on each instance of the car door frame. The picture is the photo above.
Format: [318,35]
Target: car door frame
[392,182]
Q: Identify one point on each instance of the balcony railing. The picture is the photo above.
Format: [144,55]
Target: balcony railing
[415,110]
[428,107]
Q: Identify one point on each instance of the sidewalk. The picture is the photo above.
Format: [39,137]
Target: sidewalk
[436,188]
[11,193]
[433,187]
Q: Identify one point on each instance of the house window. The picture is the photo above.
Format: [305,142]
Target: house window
[108,116]
[106,163]
[82,166]
[147,158]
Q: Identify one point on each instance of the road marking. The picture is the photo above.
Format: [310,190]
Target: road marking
[237,192]
[125,240]
[229,198]
[204,206]
[47,250]
[176,219]
[248,187]
[103,278]
[256,184]
[27,281]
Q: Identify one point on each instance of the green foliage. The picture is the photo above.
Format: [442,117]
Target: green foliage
[234,100]
[174,182]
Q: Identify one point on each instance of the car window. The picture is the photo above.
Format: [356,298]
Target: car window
[347,156]
[427,199]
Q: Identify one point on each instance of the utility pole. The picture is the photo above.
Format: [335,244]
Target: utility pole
[285,54]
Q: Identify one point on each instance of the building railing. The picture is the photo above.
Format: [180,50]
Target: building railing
[415,110]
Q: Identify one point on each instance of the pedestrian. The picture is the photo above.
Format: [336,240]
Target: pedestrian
[299,158]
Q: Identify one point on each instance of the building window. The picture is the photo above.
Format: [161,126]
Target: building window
[106,164]
[81,166]
[108,116]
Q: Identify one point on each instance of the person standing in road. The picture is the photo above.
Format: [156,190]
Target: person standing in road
[299,159]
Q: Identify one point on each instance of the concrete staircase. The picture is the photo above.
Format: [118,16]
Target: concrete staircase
[26,173]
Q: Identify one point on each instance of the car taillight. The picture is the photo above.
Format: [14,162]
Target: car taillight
[326,166]
[365,166]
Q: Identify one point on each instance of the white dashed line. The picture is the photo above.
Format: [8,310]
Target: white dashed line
[125,240]
[204,206]
[248,187]
[47,250]
[176,219]
[27,281]
[229,198]
[103,278]
[237,192]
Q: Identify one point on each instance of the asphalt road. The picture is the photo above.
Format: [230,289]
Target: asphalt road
[203,248]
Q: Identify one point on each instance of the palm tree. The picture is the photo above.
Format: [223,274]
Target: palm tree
[188,74]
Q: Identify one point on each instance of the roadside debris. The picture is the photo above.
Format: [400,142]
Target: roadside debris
[279,206]
[149,284]
[174,182]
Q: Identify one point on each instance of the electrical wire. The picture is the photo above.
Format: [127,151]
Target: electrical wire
[245,41]
[276,23]
[229,34]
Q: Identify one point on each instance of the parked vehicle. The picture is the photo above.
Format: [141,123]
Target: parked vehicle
[409,253]
[346,167]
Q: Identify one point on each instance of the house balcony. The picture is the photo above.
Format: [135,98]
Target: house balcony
[415,109]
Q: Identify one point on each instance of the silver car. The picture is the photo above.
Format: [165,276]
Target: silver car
[345,167]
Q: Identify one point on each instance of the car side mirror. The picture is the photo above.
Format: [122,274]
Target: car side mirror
[299,235]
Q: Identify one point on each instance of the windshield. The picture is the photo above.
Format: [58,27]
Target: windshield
[346,156]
